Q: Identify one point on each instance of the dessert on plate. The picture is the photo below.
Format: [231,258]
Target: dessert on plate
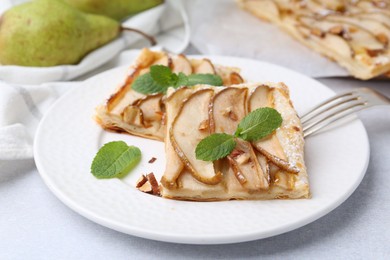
[271,168]
[138,114]
[355,34]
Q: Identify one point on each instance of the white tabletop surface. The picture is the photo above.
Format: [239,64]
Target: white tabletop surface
[34,224]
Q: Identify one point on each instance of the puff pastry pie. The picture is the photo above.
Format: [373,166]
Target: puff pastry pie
[144,115]
[272,168]
[354,33]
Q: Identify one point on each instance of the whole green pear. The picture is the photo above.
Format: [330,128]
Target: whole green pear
[45,33]
[116,9]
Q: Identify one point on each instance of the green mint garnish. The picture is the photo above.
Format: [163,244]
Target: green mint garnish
[115,159]
[146,85]
[160,78]
[182,80]
[163,75]
[258,124]
[214,147]
[209,79]
[254,126]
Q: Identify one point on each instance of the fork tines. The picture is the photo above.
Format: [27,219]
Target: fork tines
[334,109]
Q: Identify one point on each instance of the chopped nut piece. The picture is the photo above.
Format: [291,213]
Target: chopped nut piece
[296,128]
[153,182]
[235,153]
[147,188]
[317,32]
[229,113]
[152,160]
[373,53]
[382,38]
[204,125]
[233,116]
[141,181]
[346,35]
[352,29]
[337,30]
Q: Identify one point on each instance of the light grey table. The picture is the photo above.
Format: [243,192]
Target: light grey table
[34,224]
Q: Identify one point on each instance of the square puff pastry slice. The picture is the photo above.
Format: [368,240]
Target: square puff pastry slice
[272,168]
[142,115]
[355,34]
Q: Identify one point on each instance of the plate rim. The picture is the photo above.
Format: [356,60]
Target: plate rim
[183,239]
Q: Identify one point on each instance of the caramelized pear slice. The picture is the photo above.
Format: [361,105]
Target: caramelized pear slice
[160,58]
[270,147]
[377,16]
[151,107]
[133,115]
[203,66]
[371,6]
[181,64]
[356,36]
[174,165]
[247,169]
[124,96]
[375,27]
[259,97]
[235,78]
[227,109]
[185,136]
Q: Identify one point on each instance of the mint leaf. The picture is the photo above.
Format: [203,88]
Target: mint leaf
[258,124]
[182,80]
[209,79]
[146,85]
[115,159]
[214,147]
[163,75]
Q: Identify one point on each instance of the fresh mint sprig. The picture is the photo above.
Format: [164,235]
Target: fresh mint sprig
[254,126]
[258,124]
[214,147]
[115,159]
[160,78]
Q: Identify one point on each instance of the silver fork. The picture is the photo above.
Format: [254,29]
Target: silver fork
[339,107]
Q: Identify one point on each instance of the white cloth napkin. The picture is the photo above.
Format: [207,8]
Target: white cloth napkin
[157,20]
[220,27]
[23,105]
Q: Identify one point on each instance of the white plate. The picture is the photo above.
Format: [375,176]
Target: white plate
[68,139]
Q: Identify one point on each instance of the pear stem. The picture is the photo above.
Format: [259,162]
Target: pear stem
[150,38]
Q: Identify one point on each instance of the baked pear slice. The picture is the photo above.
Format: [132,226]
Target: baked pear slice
[181,64]
[270,147]
[229,106]
[187,131]
[203,66]
[246,167]
[174,165]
